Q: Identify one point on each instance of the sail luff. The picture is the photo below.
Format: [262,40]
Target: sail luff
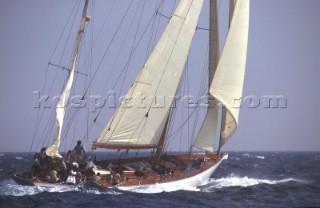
[140,120]
[53,150]
[222,128]
[206,136]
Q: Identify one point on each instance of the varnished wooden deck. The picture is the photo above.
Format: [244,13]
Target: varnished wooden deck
[184,168]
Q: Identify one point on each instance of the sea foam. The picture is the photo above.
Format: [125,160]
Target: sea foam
[237,181]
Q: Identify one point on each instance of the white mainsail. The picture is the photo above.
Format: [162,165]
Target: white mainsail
[53,150]
[137,122]
[228,79]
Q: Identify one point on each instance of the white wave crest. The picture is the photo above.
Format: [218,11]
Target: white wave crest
[247,155]
[9,188]
[96,191]
[19,190]
[236,181]
[158,188]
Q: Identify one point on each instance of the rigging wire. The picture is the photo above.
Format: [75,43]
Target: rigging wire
[153,32]
[188,93]
[90,66]
[195,111]
[180,90]
[132,49]
[131,53]
[202,90]
[108,48]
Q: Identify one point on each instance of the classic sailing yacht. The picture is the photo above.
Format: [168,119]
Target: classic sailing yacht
[133,127]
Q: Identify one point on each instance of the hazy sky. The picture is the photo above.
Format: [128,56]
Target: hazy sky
[283,60]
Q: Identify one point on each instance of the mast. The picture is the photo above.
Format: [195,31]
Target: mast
[53,150]
[161,142]
[214,53]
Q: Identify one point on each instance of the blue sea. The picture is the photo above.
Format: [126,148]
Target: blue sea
[246,179]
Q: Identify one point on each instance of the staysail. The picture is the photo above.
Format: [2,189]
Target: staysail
[205,137]
[138,122]
[228,79]
[227,83]
[53,150]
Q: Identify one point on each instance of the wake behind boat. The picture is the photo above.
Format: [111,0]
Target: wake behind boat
[134,126]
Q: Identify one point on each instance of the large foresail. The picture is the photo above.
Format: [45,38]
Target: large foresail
[53,150]
[227,83]
[140,119]
[206,135]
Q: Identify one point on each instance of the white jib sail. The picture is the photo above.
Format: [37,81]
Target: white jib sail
[53,150]
[206,136]
[227,83]
[138,120]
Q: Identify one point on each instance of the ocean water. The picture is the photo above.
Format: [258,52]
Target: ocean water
[246,179]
